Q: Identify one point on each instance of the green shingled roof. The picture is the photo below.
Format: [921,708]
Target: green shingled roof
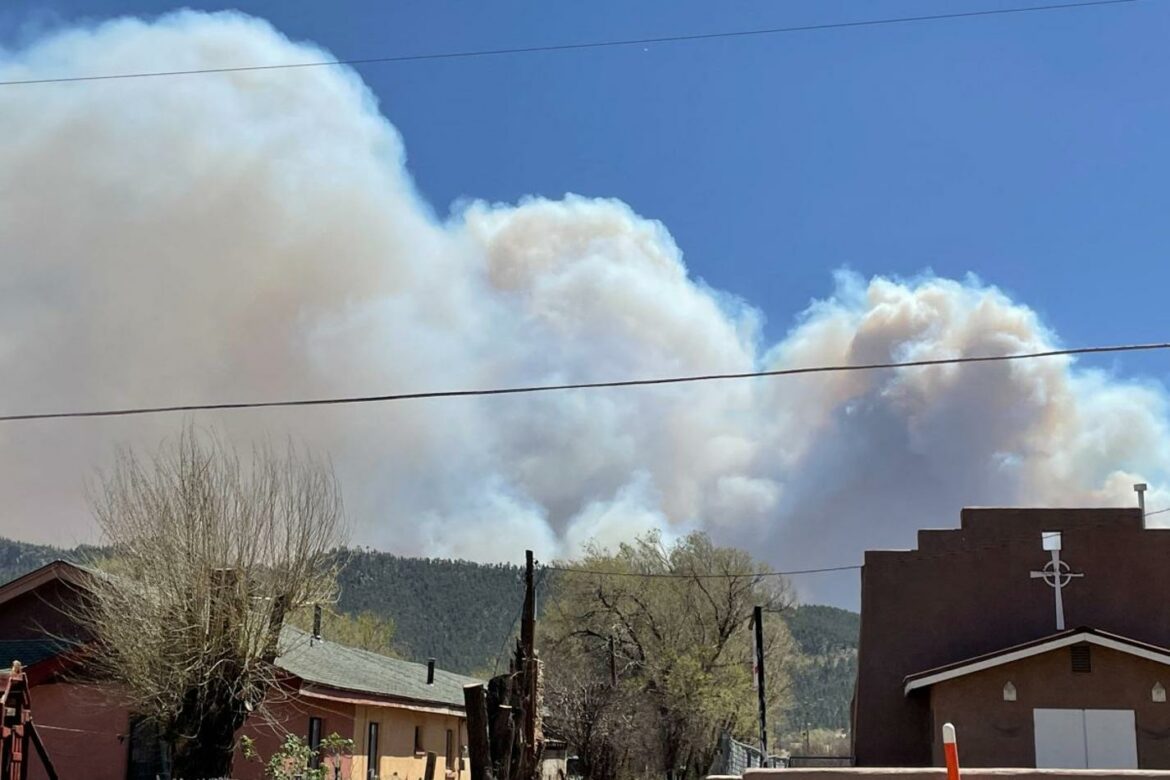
[29,651]
[337,666]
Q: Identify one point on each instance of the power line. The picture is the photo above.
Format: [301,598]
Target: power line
[575,385]
[451,55]
[674,576]
[995,543]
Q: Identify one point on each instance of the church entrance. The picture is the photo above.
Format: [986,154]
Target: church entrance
[1085,739]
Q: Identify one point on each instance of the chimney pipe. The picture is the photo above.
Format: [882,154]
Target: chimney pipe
[317,622]
[431,671]
[1140,489]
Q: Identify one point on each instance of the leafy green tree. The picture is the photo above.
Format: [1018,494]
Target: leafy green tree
[679,618]
[365,630]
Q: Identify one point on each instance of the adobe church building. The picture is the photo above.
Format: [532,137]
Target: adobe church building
[1043,635]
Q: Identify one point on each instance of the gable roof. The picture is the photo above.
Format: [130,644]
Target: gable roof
[1045,644]
[65,571]
[361,671]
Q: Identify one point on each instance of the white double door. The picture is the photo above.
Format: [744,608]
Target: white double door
[1085,739]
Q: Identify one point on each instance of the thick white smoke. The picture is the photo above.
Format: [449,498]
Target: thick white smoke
[256,235]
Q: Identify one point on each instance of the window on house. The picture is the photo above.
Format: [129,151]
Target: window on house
[450,750]
[1082,661]
[418,745]
[315,743]
[372,751]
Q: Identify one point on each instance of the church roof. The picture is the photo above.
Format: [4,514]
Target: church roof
[1045,644]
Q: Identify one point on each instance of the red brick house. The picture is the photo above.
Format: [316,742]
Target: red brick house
[1042,634]
[403,719]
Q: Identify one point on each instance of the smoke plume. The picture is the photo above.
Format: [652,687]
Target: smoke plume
[256,235]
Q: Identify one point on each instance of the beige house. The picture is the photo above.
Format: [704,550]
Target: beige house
[406,719]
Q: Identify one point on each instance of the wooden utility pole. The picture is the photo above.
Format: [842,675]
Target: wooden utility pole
[528,621]
[529,677]
[505,739]
[758,619]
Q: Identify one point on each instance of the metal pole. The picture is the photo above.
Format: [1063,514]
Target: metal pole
[758,619]
[951,751]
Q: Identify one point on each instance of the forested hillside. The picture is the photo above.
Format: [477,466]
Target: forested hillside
[459,613]
[463,614]
[17,558]
[822,685]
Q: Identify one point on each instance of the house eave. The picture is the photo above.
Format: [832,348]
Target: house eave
[373,699]
[1077,636]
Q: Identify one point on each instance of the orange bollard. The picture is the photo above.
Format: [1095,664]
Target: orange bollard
[951,750]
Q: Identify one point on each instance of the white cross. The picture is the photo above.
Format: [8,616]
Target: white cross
[1056,574]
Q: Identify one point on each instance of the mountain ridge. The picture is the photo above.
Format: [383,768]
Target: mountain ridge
[464,614]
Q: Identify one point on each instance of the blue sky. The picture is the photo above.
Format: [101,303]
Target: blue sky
[1026,149]
[1029,149]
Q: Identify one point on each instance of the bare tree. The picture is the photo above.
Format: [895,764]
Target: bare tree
[598,719]
[208,555]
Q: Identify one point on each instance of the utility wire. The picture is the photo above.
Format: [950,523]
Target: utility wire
[673,576]
[126,412]
[451,55]
[992,544]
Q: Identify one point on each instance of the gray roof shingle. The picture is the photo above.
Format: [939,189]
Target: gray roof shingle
[337,666]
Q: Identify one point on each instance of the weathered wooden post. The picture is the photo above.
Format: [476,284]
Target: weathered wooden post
[478,750]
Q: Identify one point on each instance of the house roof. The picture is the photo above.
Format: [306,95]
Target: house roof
[320,662]
[1045,644]
[350,669]
[30,651]
[54,570]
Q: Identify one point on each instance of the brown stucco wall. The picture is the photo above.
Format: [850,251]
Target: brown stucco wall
[967,592]
[84,730]
[39,613]
[997,733]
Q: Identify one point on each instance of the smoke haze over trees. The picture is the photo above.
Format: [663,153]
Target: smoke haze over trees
[258,236]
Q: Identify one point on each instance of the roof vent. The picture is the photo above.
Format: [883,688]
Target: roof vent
[1082,661]
[431,672]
